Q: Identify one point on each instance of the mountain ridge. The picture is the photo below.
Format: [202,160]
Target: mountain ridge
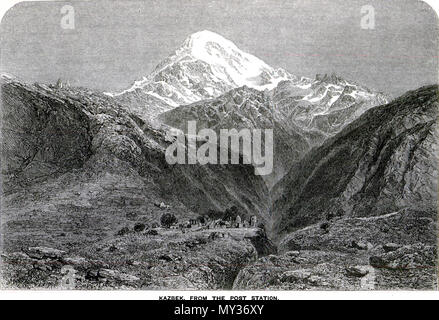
[394,127]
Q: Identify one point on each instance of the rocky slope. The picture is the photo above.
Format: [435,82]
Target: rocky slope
[360,212]
[388,267]
[155,259]
[242,108]
[77,167]
[302,113]
[381,163]
[324,106]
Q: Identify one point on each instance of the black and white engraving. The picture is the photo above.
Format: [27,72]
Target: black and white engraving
[208,145]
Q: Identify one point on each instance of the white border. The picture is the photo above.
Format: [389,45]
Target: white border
[155,295]
[5,5]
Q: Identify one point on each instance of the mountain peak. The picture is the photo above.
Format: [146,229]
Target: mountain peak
[206,66]
[225,58]
[200,38]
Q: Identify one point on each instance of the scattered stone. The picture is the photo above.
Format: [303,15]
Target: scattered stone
[359,245]
[161,205]
[292,254]
[317,281]
[273,258]
[131,215]
[390,247]
[16,256]
[45,253]
[165,258]
[417,256]
[296,275]
[357,271]
[377,262]
[76,261]
[116,275]
[42,266]
[92,275]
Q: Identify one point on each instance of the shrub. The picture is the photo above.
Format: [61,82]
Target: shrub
[168,219]
[139,227]
[325,226]
[215,214]
[232,213]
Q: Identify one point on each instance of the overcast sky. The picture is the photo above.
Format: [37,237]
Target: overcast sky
[117,42]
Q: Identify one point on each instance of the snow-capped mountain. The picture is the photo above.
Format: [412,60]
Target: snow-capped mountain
[205,66]
[324,105]
[210,80]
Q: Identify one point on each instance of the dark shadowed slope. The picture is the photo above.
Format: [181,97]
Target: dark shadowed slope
[72,152]
[384,162]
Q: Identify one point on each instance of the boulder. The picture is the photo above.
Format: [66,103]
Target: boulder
[417,256]
[296,275]
[76,261]
[390,247]
[116,275]
[357,271]
[165,258]
[292,254]
[45,253]
[359,245]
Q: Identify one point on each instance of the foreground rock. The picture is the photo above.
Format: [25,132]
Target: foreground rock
[166,259]
[308,270]
[42,252]
[411,267]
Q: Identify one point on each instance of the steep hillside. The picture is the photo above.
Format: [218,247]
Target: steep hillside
[77,167]
[320,108]
[302,113]
[238,109]
[360,212]
[382,163]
